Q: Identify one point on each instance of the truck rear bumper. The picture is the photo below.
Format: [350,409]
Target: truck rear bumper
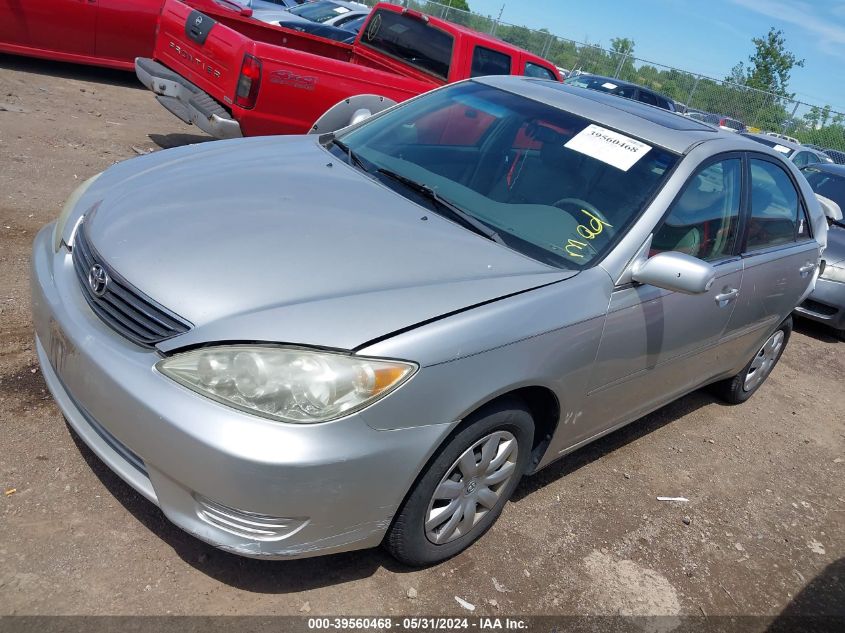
[186,100]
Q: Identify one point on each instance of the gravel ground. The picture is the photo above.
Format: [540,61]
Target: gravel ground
[763,531]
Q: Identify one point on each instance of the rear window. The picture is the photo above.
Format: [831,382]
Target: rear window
[410,40]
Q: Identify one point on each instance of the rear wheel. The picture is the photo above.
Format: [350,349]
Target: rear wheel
[741,387]
[462,491]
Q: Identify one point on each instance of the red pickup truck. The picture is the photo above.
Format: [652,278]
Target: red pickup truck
[108,33]
[233,76]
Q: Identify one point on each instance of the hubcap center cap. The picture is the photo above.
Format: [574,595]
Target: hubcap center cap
[471,487]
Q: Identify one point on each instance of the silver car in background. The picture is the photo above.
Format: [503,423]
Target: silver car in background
[303,345]
[827,302]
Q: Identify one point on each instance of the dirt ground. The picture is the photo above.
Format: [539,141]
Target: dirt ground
[763,531]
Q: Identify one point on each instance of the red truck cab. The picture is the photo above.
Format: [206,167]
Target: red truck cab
[234,76]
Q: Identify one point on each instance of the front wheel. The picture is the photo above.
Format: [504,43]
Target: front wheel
[462,491]
[742,386]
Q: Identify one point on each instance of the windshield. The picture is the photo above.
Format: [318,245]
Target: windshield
[320,11]
[827,185]
[554,186]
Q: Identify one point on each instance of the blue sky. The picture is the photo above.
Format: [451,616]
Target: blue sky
[707,37]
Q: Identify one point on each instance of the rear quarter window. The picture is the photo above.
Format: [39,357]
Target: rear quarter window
[486,61]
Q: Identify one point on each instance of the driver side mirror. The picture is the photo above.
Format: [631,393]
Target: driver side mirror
[676,271]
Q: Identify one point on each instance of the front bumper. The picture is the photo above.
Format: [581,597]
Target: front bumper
[241,483]
[186,100]
[826,304]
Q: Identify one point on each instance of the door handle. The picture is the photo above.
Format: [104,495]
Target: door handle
[726,297]
[806,269]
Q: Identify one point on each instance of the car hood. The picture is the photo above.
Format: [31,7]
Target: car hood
[275,239]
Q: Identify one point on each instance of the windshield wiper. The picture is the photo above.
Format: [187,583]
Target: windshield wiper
[351,157]
[468,220]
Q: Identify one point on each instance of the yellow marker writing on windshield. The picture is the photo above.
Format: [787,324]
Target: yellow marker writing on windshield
[573,248]
[593,228]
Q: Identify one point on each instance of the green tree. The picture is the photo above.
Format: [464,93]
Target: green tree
[771,65]
[461,5]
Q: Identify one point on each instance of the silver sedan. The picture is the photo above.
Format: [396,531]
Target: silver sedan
[303,345]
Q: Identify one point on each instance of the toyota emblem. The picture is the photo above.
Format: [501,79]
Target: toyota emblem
[198,20]
[98,280]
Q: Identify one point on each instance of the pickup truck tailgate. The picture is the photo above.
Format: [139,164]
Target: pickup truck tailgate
[203,51]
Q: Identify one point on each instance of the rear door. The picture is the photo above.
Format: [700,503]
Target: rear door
[779,254]
[66,26]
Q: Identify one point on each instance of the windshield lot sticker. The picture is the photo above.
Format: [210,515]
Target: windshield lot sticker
[609,85]
[608,146]
[781,149]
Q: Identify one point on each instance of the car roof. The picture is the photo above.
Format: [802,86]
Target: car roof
[660,127]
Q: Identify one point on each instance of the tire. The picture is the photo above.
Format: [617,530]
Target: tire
[840,334]
[495,426]
[741,387]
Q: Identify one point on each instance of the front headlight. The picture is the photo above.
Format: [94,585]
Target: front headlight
[834,273]
[70,203]
[286,383]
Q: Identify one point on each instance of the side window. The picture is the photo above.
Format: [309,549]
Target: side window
[774,206]
[625,91]
[703,220]
[647,97]
[489,62]
[535,70]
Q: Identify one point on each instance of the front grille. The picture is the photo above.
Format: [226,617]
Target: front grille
[123,307]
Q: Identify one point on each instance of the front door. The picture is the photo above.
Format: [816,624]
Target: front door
[658,344]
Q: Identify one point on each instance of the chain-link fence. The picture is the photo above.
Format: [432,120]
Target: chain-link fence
[699,95]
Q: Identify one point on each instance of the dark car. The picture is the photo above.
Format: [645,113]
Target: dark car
[622,89]
[837,156]
[321,30]
[827,302]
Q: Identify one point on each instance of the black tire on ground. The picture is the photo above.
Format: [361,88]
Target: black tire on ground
[733,390]
[406,539]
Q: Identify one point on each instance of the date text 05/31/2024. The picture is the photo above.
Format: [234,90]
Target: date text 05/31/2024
[417,623]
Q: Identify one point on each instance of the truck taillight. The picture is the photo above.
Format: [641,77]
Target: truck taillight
[248,82]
